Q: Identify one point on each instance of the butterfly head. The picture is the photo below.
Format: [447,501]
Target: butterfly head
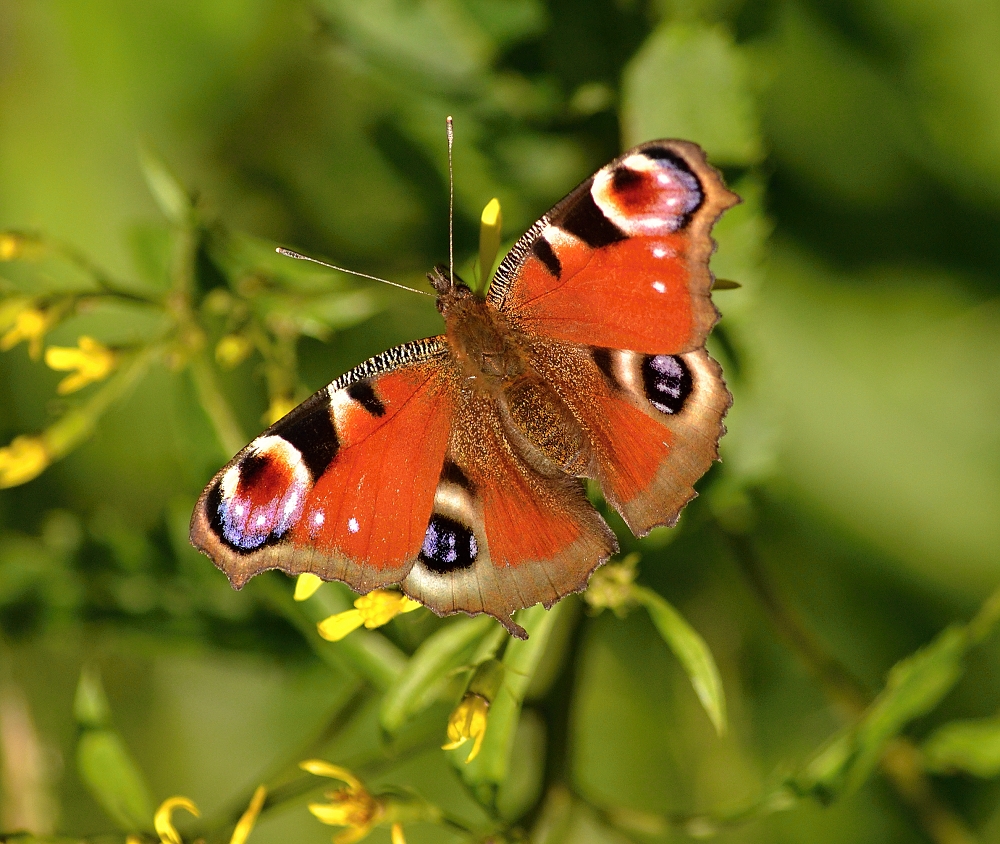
[450,288]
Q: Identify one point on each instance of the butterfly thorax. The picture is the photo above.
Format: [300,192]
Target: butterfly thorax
[494,358]
[482,341]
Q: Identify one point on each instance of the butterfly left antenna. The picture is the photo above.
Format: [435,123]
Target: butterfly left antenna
[451,200]
[290,254]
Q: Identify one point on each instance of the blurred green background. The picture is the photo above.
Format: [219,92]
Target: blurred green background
[857,509]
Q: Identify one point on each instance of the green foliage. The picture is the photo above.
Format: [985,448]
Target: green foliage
[692,652]
[154,155]
[104,762]
[969,746]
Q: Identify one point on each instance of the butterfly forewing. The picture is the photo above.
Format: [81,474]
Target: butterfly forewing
[622,261]
[343,486]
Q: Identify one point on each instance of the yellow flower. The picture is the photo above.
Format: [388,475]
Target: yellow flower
[352,807]
[280,405]
[490,229]
[232,350]
[93,361]
[612,587]
[372,610]
[30,324]
[249,817]
[397,834]
[305,586]
[15,245]
[164,825]
[468,721]
[25,458]
[163,822]
[10,246]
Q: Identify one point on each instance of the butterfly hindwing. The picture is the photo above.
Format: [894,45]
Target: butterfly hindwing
[343,486]
[622,261]
[503,535]
[652,422]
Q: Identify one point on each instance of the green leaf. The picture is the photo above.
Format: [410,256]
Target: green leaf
[365,652]
[114,779]
[104,763]
[691,82]
[969,746]
[90,706]
[824,775]
[169,193]
[915,686]
[445,650]
[489,769]
[691,650]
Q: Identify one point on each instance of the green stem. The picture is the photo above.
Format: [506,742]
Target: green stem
[900,761]
[220,414]
[364,652]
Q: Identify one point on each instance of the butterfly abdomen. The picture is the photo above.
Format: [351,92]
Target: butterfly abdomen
[545,421]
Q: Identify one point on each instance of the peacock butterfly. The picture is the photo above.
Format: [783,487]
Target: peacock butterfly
[452,466]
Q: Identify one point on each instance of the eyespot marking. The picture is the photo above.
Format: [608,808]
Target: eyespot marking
[667,382]
[650,192]
[585,219]
[257,500]
[448,545]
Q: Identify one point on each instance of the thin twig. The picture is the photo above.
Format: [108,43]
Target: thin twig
[900,761]
[216,407]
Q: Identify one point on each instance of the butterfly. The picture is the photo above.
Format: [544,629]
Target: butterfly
[453,466]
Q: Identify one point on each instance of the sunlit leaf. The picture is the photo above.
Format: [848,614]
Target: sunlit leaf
[439,654]
[691,82]
[692,652]
[972,747]
[169,193]
[104,762]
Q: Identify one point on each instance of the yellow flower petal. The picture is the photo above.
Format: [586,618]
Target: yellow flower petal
[10,246]
[324,769]
[280,406]
[21,461]
[468,721]
[306,586]
[352,806]
[477,742]
[490,229]
[162,822]
[31,324]
[350,836]
[336,627]
[397,834]
[332,814]
[381,606]
[249,817]
[93,361]
[232,350]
